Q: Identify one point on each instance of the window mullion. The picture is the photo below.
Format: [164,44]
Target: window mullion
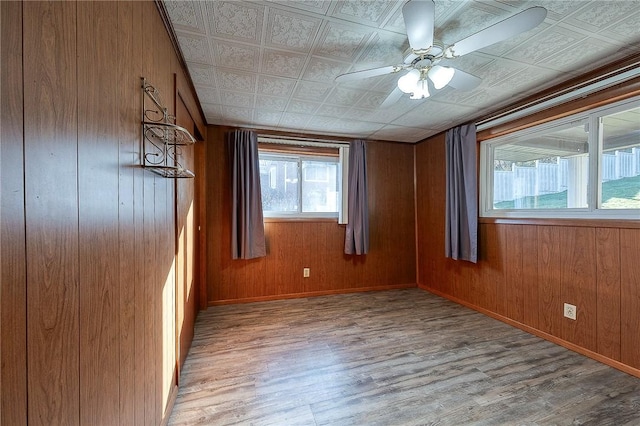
[595,172]
[300,183]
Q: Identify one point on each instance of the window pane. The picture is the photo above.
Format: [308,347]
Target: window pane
[543,171]
[620,162]
[319,186]
[279,182]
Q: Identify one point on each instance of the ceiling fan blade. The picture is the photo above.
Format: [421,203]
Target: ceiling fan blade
[419,16]
[393,97]
[464,81]
[358,75]
[516,24]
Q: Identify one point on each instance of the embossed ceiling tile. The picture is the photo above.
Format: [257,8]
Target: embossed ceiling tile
[310,90]
[530,78]
[471,63]
[371,100]
[473,18]
[271,103]
[372,12]
[202,74]
[187,15]
[430,113]
[446,114]
[558,9]
[489,98]
[238,116]
[494,73]
[341,42]
[236,80]
[503,47]
[236,55]
[445,9]
[302,107]
[450,95]
[386,83]
[237,99]
[536,49]
[627,30]
[586,55]
[293,120]
[361,84]
[236,20]
[332,111]
[284,64]
[208,94]
[195,48]
[396,22]
[413,118]
[395,133]
[211,110]
[598,15]
[384,49]
[344,126]
[290,30]
[344,96]
[381,115]
[275,86]
[324,70]
[316,6]
[266,117]
[366,128]
[319,123]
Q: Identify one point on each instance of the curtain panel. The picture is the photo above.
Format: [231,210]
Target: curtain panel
[247,225]
[461,234]
[357,230]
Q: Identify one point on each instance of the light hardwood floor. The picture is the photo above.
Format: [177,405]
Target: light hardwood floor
[388,358]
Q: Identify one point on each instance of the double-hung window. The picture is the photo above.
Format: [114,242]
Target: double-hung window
[582,166]
[301,181]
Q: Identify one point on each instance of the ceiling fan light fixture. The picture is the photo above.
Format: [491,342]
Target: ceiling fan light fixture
[407,83]
[420,90]
[440,76]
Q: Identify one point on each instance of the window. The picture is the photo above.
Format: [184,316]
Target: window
[587,165]
[299,182]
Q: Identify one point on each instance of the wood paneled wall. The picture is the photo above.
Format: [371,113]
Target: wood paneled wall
[186,290]
[88,237]
[318,245]
[527,271]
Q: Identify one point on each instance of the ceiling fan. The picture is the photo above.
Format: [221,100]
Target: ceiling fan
[424,54]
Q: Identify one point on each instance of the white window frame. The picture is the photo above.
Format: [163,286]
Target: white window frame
[593,211]
[343,172]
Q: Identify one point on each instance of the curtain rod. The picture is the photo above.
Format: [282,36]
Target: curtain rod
[301,142]
[577,91]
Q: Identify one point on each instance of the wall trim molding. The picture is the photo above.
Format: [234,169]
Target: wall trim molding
[553,339]
[310,294]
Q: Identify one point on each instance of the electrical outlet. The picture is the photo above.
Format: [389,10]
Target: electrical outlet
[570,311]
[305,272]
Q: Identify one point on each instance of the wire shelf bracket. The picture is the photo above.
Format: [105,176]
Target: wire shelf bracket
[162,139]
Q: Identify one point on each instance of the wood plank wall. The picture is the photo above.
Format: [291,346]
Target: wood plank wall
[186,293]
[88,237]
[13,262]
[317,245]
[527,271]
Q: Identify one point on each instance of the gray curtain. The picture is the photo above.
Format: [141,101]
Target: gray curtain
[247,227]
[357,234]
[461,236]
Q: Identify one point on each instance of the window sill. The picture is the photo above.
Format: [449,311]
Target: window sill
[588,223]
[300,219]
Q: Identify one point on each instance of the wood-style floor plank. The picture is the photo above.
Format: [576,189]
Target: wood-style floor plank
[388,358]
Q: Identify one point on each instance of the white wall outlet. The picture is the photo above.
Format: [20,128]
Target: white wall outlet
[305,272]
[570,311]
